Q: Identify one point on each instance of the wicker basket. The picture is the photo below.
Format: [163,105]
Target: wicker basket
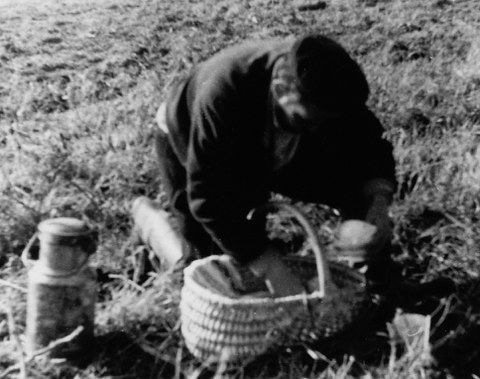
[220,328]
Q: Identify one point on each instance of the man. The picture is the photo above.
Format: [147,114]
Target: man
[286,117]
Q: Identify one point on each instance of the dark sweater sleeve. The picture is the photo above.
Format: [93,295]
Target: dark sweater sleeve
[376,155]
[214,178]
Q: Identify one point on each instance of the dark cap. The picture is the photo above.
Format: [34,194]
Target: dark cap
[326,74]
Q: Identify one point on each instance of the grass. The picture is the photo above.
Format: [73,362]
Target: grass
[80,84]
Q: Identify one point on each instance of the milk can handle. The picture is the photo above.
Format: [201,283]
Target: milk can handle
[29,262]
[88,242]
[26,259]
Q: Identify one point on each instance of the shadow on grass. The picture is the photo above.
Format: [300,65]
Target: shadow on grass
[366,341]
[455,342]
[119,356]
[456,339]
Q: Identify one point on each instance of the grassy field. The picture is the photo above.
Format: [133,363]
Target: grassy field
[80,82]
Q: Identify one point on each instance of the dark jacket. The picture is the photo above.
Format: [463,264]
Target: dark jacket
[218,119]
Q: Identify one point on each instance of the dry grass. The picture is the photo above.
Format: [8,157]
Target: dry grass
[80,83]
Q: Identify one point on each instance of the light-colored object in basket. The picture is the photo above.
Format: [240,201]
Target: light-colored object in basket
[156,231]
[61,288]
[232,330]
[353,240]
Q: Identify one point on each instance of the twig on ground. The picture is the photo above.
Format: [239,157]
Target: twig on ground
[52,345]
[459,329]
[178,362]
[9,370]
[155,352]
[87,193]
[128,281]
[14,337]
[33,211]
[12,285]
[393,349]
[426,348]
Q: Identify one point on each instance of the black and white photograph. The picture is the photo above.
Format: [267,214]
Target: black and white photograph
[239,189]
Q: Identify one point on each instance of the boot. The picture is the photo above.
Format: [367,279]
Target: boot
[153,228]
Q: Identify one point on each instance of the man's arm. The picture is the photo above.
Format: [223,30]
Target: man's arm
[214,183]
[217,204]
[377,156]
[380,186]
[379,194]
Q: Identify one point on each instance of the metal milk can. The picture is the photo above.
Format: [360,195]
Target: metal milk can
[61,288]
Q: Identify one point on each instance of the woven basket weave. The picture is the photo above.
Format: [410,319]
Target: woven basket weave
[218,327]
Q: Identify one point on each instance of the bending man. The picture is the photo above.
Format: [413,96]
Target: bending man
[276,116]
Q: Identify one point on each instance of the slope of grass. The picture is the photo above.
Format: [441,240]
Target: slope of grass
[80,83]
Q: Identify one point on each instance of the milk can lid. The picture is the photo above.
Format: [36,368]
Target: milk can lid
[64,226]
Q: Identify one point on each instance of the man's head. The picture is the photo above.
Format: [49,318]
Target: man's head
[317,83]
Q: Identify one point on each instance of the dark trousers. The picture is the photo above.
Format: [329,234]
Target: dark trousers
[174,182]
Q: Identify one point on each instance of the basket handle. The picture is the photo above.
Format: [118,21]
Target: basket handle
[26,257]
[320,259]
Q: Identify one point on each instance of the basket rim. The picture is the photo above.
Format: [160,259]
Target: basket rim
[192,285]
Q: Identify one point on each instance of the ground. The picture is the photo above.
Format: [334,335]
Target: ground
[80,82]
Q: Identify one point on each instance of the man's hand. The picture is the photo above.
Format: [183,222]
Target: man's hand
[377,215]
[281,280]
[379,194]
